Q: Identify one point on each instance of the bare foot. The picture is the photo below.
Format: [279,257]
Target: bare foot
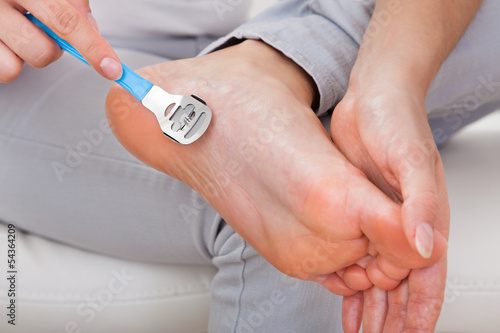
[265,164]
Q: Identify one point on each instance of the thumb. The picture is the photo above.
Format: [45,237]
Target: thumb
[419,189]
[387,236]
[72,24]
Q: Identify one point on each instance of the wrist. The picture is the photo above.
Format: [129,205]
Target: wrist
[372,75]
[385,86]
[272,63]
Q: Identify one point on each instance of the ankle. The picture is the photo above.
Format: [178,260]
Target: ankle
[278,66]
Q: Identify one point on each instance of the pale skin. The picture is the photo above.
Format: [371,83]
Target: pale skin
[352,208]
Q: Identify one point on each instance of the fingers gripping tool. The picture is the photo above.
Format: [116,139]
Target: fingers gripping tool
[184,123]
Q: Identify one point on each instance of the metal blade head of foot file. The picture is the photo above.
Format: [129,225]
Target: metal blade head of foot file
[185,122]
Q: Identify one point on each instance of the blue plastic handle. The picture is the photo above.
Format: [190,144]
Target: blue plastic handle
[134,83]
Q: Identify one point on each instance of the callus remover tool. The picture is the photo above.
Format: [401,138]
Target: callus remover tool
[182,118]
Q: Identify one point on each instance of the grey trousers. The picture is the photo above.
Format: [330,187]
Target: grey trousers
[65,177]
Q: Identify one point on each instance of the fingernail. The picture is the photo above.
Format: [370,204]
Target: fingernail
[425,240]
[111,68]
[92,21]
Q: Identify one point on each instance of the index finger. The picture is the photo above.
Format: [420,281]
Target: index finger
[68,23]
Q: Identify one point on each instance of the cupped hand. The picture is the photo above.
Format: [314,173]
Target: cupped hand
[382,129]
[21,41]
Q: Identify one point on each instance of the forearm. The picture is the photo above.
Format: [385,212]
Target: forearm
[408,40]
